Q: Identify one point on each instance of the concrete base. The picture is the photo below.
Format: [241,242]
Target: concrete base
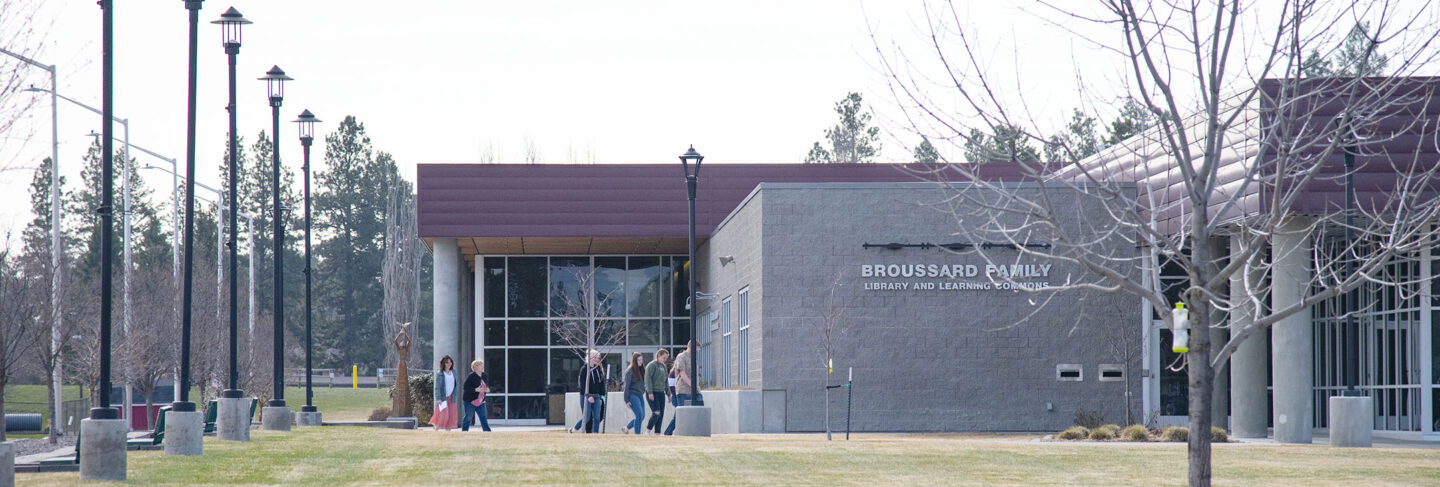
[7,464]
[692,421]
[303,418]
[102,453]
[410,420]
[232,421]
[184,433]
[1352,421]
[275,418]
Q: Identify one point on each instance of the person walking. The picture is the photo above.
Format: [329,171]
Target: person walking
[592,390]
[445,415]
[477,384]
[634,387]
[684,386]
[656,389]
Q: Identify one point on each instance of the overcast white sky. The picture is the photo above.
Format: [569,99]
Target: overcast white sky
[442,81]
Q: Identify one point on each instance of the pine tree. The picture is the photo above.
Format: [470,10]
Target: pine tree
[852,139]
[925,153]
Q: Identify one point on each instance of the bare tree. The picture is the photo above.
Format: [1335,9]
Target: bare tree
[20,39]
[1241,149]
[833,326]
[20,318]
[400,273]
[150,350]
[579,303]
[532,151]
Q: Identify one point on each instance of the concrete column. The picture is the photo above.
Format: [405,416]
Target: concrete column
[7,464]
[233,419]
[445,264]
[276,418]
[311,418]
[1219,335]
[1352,421]
[102,454]
[1291,338]
[1249,403]
[184,432]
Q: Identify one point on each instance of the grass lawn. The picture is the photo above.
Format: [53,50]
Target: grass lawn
[365,456]
[33,399]
[337,404]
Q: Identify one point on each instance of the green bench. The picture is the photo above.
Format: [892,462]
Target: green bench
[212,411]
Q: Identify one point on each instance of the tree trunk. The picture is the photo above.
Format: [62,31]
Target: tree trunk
[3,426]
[54,406]
[1202,378]
[826,386]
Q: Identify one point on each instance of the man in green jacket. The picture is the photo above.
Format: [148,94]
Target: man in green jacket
[655,386]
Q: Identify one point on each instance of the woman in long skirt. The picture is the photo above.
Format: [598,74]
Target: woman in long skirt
[446,417]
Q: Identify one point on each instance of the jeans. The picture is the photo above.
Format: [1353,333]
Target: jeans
[677,400]
[637,406]
[471,411]
[657,412]
[590,413]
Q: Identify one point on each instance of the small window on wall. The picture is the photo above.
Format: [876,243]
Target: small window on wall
[1069,373]
[1112,373]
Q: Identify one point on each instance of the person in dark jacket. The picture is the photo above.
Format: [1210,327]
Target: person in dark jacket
[473,392]
[635,392]
[592,391]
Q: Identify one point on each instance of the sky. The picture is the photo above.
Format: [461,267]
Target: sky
[462,81]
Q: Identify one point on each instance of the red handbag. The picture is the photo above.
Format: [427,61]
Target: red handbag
[481,399]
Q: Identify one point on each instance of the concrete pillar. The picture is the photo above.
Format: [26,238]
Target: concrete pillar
[184,432]
[276,418]
[1291,338]
[446,290]
[1249,402]
[232,421]
[1220,404]
[7,464]
[1352,421]
[311,418]
[102,454]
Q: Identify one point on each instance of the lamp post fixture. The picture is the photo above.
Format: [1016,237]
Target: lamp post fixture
[691,179]
[306,122]
[184,404]
[231,23]
[275,86]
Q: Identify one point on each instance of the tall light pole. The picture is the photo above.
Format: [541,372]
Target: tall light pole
[275,86]
[307,122]
[56,314]
[103,454]
[183,405]
[691,180]
[232,426]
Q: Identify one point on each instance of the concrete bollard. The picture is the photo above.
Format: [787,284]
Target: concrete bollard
[276,418]
[7,464]
[1352,421]
[692,421]
[184,433]
[232,421]
[307,418]
[102,452]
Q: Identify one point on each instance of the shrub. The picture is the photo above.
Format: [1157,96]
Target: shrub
[1135,432]
[380,413]
[1113,429]
[1074,433]
[1218,435]
[1175,434]
[1101,434]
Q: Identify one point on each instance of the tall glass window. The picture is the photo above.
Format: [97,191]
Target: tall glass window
[743,359]
[542,312]
[725,344]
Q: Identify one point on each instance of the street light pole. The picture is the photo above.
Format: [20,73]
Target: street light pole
[307,123]
[691,180]
[275,85]
[238,429]
[57,383]
[184,405]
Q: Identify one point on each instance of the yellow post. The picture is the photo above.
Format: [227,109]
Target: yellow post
[354,376]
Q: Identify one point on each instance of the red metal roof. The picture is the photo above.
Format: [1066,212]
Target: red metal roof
[612,200]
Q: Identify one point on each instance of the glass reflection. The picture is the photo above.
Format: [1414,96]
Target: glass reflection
[526,282]
[567,278]
[610,286]
[525,376]
[642,280]
[494,287]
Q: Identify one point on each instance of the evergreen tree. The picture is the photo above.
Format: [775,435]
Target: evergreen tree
[1134,118]
[1078,142]
[350,206]
[852,139]
[1009,143]
[37,238]
[1357,56]
[925,153]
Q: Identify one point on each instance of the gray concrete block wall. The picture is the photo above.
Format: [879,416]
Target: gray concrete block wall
[924,360]
[739,237]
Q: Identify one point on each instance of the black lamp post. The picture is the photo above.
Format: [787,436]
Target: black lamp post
[275,85]
[691,178]
[307,123]
[1352,335]
[230,24]
[107,180]
[183,404]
